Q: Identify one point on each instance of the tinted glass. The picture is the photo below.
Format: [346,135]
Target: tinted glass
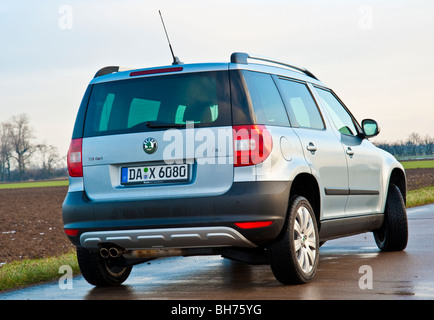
[79,120]
[340,117]
[136,105]
[267,103]
[242,110]
[302,109]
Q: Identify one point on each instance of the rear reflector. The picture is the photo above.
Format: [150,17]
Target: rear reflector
[71,232]
[252,144]
[253,225]
[74,158]
[155,71]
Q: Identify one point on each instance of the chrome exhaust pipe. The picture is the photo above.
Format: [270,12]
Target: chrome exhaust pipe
[104,253]
[111,252]
[115,252]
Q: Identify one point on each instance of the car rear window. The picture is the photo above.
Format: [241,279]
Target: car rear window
[152,103]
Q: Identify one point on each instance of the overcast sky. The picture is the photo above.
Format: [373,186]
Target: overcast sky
[378,56]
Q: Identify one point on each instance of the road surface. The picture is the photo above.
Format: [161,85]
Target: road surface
[350,268]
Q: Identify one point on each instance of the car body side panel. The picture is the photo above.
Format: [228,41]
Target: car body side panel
[286,160]
[365,168]
[369,170]
[329,168]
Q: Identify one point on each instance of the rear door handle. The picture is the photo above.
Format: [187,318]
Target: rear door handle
[311,147]
[350,152]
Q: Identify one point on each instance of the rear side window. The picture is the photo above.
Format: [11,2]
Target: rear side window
[302,109]
[150,103]
[267,103]
[256,99]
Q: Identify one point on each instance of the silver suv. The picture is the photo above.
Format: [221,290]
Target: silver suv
[256,162]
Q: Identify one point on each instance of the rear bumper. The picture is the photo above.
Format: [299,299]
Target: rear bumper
[191,222]
[169,238]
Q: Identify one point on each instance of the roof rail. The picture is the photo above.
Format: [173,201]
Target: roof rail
[241,57]
[108,70]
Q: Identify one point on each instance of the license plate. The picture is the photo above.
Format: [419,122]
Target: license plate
[154,174]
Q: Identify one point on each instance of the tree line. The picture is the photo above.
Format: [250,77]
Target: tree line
[21,158]
[414,146]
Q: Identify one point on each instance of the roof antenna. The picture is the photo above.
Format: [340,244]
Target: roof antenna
[175,59]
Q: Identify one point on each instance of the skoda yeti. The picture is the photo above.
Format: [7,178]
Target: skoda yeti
[257,162]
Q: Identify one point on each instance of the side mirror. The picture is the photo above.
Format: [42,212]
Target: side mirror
[370,128]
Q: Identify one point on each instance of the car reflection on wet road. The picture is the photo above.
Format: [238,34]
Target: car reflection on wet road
[350,268]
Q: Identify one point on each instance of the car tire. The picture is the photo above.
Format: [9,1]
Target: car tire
[101,272]
[393,235]
[294,256]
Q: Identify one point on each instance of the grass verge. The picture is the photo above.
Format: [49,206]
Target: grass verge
[420,197]
[34,184]
[416,164]
[22,273]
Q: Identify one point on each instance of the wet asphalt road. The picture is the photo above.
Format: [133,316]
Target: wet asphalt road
[350,268]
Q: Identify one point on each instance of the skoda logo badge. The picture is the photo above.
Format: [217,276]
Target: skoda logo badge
[150,145]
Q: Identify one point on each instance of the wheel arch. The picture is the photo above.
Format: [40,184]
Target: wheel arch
[398,178]
[306,185]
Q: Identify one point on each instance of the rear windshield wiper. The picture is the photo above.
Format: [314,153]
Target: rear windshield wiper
[158,124]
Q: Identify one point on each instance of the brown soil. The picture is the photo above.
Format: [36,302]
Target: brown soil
[31,223]
[419,178]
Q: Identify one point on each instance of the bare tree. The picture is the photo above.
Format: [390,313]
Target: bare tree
[5,152]
[50,157]
[414,138]
[429,145]
[21,136]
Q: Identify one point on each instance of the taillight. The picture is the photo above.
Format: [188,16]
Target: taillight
[74,159]
[252,144]
[71,232]
[253,224]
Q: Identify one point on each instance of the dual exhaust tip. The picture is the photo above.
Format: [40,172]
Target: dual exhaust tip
[112,252]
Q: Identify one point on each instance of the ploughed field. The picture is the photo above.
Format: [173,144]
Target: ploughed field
[31,223]
[31,219]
